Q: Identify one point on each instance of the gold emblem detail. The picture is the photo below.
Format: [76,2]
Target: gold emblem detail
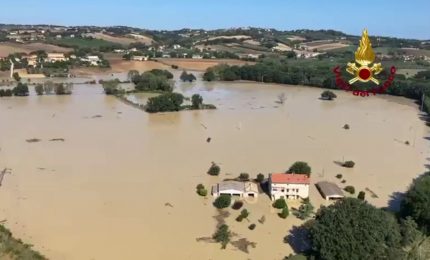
[364,56]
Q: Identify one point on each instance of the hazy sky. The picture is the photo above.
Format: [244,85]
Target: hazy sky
[399,18]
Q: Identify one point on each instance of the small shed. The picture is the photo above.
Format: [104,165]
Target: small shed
[329,190]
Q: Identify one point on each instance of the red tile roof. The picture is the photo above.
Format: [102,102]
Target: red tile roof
[289,178]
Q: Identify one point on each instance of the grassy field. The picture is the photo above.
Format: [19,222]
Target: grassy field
[83,43]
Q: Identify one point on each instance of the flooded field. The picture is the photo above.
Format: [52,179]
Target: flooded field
[121,185]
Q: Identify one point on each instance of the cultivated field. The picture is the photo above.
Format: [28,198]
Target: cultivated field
[7,48]
[121,40]
[200,64]
[324,45]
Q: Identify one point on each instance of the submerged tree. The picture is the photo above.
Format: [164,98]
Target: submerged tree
[21,89]
[39,89]
[214,169]
[328,95]
[281,98]
[196,101]
[222,235]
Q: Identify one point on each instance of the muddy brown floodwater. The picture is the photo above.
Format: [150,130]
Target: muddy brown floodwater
[121,185]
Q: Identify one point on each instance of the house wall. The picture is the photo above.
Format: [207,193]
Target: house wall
[288,191]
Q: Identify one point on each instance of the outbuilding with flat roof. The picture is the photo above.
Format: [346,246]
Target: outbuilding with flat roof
[329,190]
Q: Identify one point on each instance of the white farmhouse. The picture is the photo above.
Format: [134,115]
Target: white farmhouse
[139,58]
[288,186]
[92,59]
[53,57]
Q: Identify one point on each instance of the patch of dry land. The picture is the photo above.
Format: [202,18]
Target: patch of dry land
[122,183]
[7,48]
[122,40]
[238,37]
[324,45]
[200,64]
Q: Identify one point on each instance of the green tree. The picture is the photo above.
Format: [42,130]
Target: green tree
[349,189]
[165,103]
[328,95]
[214,170]
[110,87]
[244,176]
[187,76]
[39,89]
[353,229]
[260,177]
[21,89]
[409,231]
[152,81]
[361,195]
[348,164]
[284,213]
[132,73]
[48,87]
[300,168]
[222,201]
[63,88]
[416,202]
[305,210]
[279,203]
[209,75]
[196,101]
[222,235]
[16,76]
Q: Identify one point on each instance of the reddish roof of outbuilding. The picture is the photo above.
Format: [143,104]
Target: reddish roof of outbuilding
[289,178]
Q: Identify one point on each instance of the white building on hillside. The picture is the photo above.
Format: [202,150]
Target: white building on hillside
[139,58]
[288,186]
[53,57]
[93,60]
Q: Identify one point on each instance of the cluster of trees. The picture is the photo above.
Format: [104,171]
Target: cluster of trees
[154,80]
[165,103]
[187,76]
[353,229]
[173,102]
[21,89]
[49,88]
[6,92]
[276,71]
[111,87]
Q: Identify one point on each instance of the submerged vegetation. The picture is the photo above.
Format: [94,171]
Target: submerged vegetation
[222,235]
[11,248]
